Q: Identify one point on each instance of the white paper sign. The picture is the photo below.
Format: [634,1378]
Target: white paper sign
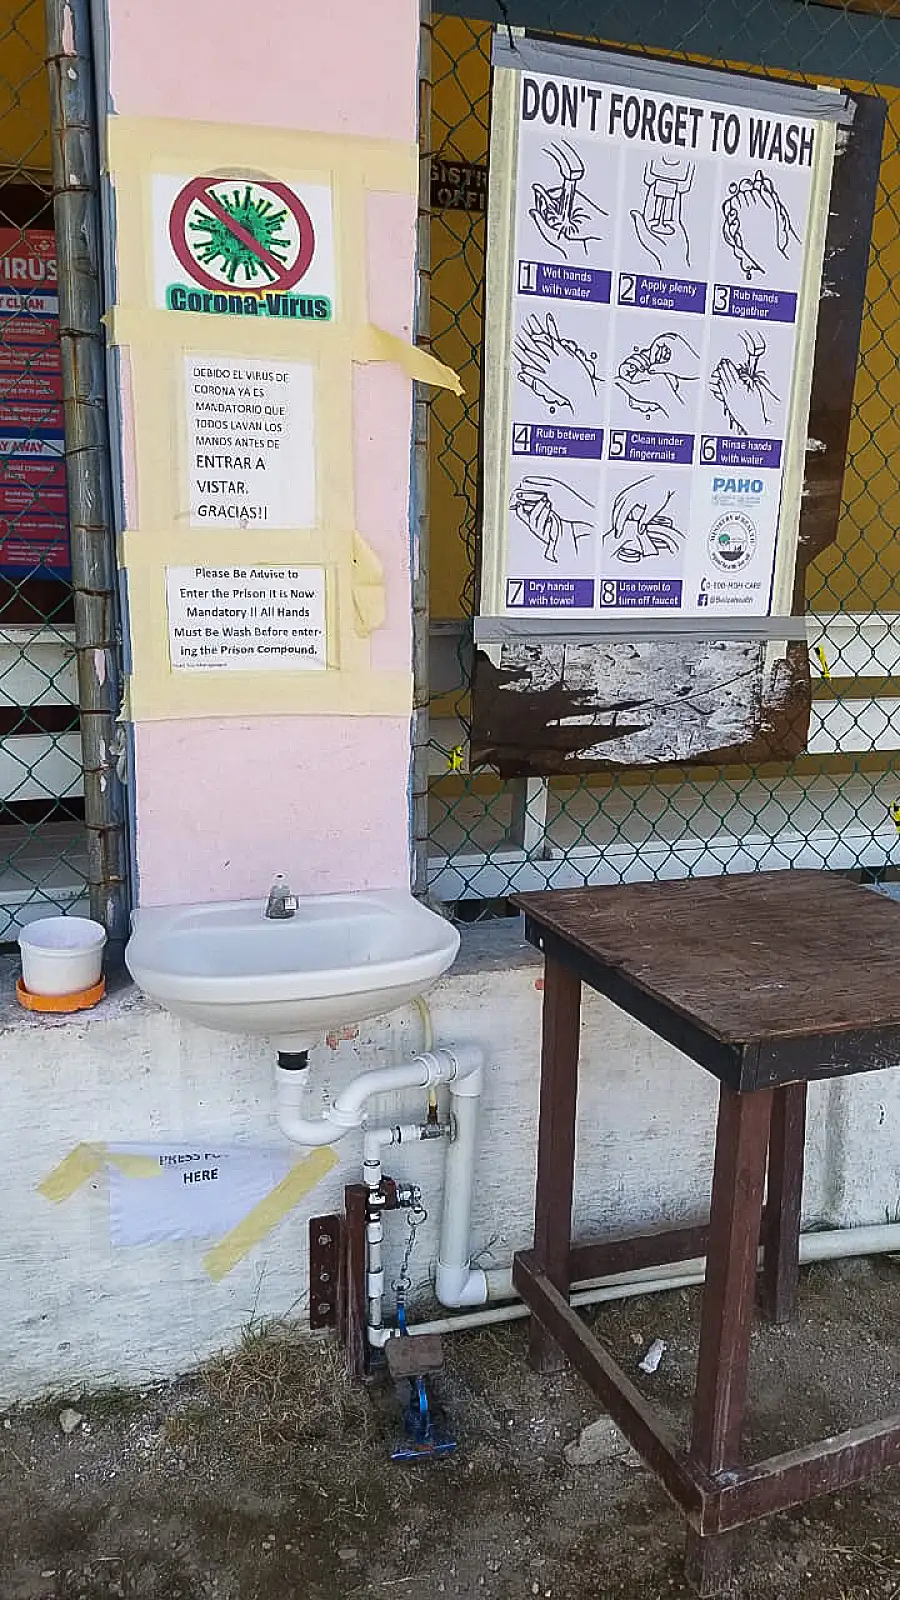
[244,247]
[646,391]
[199,1193]
[246,619]
[250,440]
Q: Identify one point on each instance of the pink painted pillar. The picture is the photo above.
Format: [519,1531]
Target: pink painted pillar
[223,803]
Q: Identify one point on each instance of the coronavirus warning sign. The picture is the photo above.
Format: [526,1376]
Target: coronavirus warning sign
[34,534]
[245,247]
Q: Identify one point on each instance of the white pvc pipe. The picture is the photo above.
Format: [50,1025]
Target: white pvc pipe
[348,1110]
[834,1245]
[290,1096]
[434,1066]
[457,1283]
[375,1140]
[374,1271]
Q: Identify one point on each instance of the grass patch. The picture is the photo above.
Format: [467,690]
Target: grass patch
[282,1390]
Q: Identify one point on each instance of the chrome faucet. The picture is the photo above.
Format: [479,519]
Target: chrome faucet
[281,904]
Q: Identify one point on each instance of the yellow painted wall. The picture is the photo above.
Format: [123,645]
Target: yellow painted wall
[859,572]
[25,122]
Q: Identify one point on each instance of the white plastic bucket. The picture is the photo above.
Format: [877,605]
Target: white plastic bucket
[61,955]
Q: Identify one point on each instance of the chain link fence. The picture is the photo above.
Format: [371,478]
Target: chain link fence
[43,861]
[835,806]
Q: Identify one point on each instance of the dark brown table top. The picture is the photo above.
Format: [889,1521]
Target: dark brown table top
[760,977]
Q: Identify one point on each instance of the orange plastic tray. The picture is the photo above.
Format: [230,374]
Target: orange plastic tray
[82,1001]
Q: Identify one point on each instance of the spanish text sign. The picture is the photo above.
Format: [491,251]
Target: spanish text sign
[654,370]
[251,451]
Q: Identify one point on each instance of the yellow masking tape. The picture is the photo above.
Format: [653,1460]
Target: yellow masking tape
[367,587]
[134,1166]
[355,600]
[257,1223]
[158,340]
[368,607]
[166,443]
[327,342]
[163,695]
[79,1165]
[84,1162]
[367,567]
[161,334]
[377,345]
[138,145]
[140,148]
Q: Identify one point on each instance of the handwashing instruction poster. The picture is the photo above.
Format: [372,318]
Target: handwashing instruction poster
[649,340]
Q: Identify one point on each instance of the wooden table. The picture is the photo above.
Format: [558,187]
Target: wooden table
[768,981]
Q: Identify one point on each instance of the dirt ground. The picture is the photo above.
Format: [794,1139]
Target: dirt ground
[267,1475]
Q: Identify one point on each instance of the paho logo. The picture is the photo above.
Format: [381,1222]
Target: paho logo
[729,486]
[732,542]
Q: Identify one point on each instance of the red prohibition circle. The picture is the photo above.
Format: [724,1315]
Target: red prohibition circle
[285,277]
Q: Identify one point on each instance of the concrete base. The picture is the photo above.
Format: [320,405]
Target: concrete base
[76,1311]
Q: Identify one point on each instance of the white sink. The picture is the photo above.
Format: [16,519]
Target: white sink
[339,959]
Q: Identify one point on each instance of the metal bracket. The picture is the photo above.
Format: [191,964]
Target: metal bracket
[324,1255]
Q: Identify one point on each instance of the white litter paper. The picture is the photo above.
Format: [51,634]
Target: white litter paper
[653,1357]
[201,1191]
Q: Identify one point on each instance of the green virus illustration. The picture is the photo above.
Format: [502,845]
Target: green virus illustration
[259,217]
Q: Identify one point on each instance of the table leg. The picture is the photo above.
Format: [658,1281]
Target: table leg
[735,1214]
[781,1230]
[556,1144]
[708,1563]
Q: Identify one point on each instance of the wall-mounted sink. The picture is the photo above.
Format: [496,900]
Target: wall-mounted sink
[339,958]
